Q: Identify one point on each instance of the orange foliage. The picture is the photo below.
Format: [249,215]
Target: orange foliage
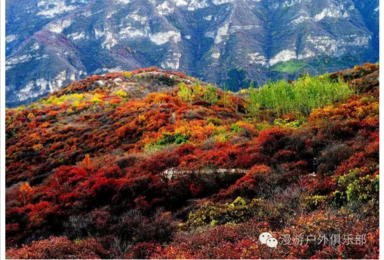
[125,178]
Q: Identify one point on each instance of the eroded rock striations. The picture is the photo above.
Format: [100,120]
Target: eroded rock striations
[51,43]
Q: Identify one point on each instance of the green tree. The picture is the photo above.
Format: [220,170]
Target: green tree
[237,79]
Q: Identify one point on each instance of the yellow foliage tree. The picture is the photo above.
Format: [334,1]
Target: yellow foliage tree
[25,192]
[37,147]
[31,115]
[86,162]
[121,93]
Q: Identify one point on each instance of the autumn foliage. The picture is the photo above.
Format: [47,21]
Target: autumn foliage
[113,171]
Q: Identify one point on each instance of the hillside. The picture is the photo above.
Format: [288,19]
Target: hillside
[156,164]
[52,43]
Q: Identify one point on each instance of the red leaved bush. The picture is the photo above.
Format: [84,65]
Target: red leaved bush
[92,172]
[59,247]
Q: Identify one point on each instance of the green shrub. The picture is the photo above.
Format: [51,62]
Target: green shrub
[225,95]
[236,212]
[235,128]
[185,93]
[302,95]
[284,123]
[214,121]
[196,87]
[210,95]
[353,187]
[127,74]
[173,139]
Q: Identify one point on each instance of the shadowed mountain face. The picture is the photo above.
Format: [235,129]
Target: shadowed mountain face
[52,42]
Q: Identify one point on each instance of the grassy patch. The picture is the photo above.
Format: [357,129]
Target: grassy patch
[290,67]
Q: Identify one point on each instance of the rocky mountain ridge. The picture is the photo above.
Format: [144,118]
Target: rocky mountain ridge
[52,43]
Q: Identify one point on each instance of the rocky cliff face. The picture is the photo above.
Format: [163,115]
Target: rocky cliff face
[52,42]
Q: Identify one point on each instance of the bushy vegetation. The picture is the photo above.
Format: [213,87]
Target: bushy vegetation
[303,95]
[185,93]
[237,79]
[82,181]
[210,95]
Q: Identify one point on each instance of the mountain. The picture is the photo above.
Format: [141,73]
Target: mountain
[156,164]
[52,43]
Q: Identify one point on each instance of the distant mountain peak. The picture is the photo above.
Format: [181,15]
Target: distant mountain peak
[53,43]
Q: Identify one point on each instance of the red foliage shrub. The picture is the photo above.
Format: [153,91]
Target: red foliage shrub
[194,189]
[270,140]
[59,247]
[134,174]
[143,250]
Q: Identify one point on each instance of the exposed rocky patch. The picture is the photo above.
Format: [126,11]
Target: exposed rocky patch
[50,44]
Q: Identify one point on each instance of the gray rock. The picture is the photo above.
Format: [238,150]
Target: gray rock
[100,83]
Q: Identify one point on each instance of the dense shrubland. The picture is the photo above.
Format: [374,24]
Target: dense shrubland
[98,170]
[303,95]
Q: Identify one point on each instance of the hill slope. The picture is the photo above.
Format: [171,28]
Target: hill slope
[108,168]
[53,43]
